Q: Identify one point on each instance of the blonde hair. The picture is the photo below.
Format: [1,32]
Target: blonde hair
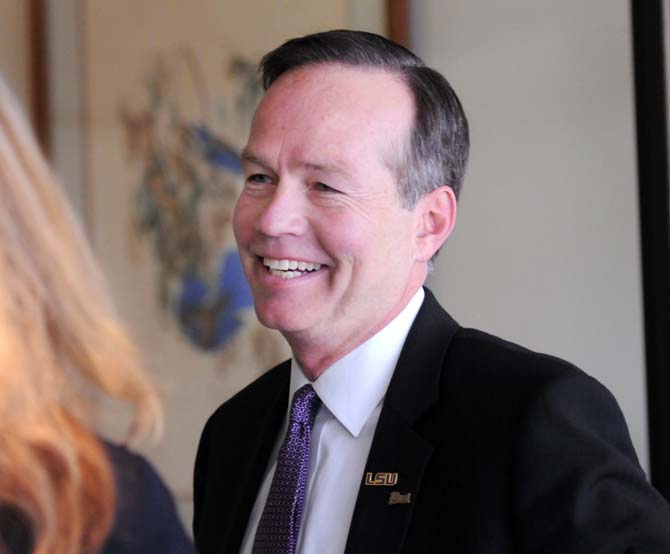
[60,342]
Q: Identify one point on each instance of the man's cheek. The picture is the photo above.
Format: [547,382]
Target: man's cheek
[242,224]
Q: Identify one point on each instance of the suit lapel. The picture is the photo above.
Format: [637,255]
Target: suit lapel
[402,455]
[251,458]
[399,454]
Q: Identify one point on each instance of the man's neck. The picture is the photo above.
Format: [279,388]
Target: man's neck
[315,354]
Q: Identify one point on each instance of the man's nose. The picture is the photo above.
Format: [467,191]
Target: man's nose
[283,213]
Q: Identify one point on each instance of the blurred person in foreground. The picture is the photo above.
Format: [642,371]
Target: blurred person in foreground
[392,428]
[63,490]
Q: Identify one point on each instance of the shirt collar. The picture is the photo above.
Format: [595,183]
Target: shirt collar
[354,385]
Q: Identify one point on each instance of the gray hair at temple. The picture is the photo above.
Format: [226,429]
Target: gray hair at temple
[437,151]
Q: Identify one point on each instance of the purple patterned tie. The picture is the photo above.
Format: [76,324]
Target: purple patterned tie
[279,525]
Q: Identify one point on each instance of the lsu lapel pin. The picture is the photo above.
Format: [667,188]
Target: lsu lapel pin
[397,498]
[381,479]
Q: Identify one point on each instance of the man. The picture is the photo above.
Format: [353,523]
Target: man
[392,429]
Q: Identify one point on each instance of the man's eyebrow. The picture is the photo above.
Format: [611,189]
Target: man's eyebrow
[323,167]
[250,157]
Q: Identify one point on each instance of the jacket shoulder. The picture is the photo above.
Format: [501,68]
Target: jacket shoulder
[485,355]
[258,392]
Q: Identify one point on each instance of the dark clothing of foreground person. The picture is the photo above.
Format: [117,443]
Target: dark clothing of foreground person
[145,522]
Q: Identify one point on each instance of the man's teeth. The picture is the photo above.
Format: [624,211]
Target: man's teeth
[286,274]
[287,268]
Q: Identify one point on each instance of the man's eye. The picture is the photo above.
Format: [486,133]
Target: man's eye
[258,178]
[323,187]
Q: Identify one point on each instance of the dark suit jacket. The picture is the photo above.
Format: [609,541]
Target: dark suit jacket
[503,450]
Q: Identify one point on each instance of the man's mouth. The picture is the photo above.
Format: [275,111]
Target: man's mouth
[289,269]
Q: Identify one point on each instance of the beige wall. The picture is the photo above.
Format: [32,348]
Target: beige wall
[14,47]
[546,249]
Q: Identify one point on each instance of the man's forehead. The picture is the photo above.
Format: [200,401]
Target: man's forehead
[353,87]
[324,98]
[324,70]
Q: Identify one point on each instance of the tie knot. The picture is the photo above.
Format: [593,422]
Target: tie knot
[305,405]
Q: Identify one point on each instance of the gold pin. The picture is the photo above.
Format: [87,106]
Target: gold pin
[382,479]
[397,498]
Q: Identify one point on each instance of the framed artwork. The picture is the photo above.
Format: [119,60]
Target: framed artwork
[149,105]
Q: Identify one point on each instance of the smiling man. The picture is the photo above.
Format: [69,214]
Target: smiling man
[392,429]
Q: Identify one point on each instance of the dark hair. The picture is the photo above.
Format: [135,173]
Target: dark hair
[437,152]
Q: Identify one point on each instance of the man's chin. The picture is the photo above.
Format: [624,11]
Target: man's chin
[278,322]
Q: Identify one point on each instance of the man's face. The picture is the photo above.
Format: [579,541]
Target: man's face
[327,248]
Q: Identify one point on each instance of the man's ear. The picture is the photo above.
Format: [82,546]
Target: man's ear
[435,219]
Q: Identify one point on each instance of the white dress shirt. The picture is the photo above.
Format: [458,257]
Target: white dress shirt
[352,391]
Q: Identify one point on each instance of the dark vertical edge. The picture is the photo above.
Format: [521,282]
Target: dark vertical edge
[397,21]
[39,77]
[652,161]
